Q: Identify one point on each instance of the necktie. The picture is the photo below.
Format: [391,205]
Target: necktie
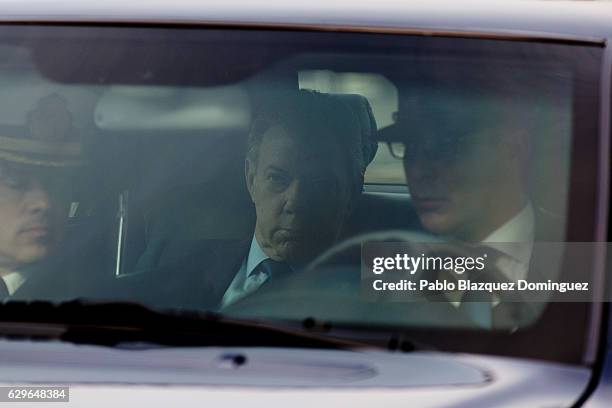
[489,310]
[479,306]
[274,269]
[267,270]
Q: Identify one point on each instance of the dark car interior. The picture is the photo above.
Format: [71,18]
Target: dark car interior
[184,189]
[189,186]
[151,187]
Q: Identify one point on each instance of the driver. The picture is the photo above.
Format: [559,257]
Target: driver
[36,161]
[467,172]
[466,149]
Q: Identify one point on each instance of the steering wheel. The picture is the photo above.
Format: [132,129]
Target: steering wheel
[330,287]
[510,305]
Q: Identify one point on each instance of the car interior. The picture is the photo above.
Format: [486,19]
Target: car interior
[167,148]
[185,189]
[189,186]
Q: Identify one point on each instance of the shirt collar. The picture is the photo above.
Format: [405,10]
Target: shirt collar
[13,281]
[255,257]
[519,231]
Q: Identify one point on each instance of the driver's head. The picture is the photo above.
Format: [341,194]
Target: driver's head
[36,163]
[465,160]
[304,168]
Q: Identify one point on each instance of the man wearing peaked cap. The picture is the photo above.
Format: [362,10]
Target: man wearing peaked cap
[467,142]
[36,161]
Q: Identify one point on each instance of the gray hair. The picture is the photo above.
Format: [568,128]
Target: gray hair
[310,116]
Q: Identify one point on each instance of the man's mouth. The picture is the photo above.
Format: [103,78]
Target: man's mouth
[37,231]
[429,203]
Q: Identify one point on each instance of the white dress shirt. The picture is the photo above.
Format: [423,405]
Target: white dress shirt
[245,280]
[13,280]
[515,239]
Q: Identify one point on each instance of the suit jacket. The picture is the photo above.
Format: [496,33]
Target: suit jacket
[48,282]
[547,228]
[34,288]
[196,274]
[191,275]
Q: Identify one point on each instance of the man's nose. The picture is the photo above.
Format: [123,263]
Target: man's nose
[420,168]
[295,198]
[37,197]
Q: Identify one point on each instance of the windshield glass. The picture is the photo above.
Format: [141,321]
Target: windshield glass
[282,176]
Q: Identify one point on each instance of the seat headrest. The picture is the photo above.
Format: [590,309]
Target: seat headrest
[361,108]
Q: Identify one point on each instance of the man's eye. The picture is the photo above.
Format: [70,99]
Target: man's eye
[277,179]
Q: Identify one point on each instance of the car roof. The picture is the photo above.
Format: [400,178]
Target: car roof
[589,21]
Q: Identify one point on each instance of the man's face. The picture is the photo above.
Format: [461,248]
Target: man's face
[462,188]
[301,193]
[33,207]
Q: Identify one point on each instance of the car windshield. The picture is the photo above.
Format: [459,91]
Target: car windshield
[373,182]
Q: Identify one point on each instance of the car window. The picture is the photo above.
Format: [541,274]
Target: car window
[209,170]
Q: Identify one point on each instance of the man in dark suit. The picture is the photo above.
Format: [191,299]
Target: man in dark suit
[467,171]
[306,157]
[466,148]
[36,161]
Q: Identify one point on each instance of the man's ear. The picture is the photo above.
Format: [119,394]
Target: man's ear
[249,175]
